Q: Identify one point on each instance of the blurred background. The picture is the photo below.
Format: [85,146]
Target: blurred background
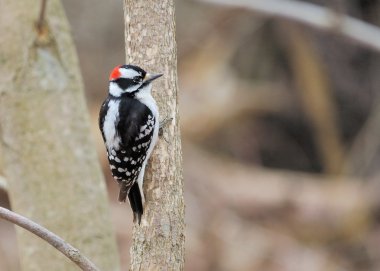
[280,132]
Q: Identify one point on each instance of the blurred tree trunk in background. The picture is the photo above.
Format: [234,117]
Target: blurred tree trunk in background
[158,244]
[49,156]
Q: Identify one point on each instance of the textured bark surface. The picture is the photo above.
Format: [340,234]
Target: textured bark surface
[158,243]
[49,157]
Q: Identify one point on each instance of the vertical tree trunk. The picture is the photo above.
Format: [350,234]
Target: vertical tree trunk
[49,157]
[158,243]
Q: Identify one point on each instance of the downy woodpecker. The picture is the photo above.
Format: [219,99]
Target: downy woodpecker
[129,122]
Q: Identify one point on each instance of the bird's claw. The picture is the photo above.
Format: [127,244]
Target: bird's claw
[163,123]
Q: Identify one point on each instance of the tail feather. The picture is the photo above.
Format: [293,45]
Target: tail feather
[135,200]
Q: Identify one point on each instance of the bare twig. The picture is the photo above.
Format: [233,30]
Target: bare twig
[312,15]
[41,20]
[66,249]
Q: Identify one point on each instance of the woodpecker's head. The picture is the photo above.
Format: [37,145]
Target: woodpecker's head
[130,80]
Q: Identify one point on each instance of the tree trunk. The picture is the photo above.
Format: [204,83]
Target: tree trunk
[49,157]
[158,243]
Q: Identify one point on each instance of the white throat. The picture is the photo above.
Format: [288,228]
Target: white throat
[144,96]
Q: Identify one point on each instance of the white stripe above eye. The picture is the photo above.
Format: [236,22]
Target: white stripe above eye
[128,73]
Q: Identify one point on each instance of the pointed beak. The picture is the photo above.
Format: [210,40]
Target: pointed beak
[150,77]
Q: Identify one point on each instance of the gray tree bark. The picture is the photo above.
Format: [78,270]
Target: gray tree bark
[158,243]
[49,157]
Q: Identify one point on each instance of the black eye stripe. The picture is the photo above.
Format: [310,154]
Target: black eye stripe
[124,83]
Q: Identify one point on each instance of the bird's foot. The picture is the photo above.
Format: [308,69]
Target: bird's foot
[163,123]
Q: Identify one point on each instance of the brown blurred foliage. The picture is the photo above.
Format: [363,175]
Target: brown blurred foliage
[280,127]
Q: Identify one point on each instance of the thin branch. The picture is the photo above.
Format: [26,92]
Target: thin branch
[66,249]
[312,15]
[41,20]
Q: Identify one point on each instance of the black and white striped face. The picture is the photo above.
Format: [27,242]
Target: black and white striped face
[129,79]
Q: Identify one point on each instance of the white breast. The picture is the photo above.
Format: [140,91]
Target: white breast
[145,97]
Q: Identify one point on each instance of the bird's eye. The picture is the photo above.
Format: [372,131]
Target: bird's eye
[137,79]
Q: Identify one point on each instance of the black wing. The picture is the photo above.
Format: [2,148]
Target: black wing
[135,128]
[102,116]
[132,116]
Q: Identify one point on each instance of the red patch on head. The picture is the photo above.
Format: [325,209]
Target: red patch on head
[115,73]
